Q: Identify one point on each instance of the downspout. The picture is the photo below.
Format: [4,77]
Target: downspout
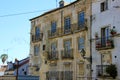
[91,39]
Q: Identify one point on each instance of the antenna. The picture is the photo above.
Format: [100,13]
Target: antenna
[56,3]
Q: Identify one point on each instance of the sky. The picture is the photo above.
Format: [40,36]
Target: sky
[15,25]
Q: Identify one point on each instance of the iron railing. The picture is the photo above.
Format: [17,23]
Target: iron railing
[67,54]
[36,38]
[104,43]
[101,70]
[56,33]
[59,75]
[72,29]
[80,27]
[53,55]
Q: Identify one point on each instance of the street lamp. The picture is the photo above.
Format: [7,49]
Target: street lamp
[89,59]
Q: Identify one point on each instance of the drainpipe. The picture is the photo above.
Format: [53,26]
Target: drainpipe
[91,39]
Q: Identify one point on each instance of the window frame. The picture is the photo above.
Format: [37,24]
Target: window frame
[37,31]
[80,21]
[80,47]
[104,6]
[53,26]
[66,48]
[36,50]
[67,23]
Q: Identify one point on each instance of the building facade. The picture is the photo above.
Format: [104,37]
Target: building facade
[105,35]
[60,42]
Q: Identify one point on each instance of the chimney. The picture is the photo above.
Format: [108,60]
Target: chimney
[61,3]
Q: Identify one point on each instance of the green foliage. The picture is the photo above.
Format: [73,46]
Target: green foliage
[4,57]
[112,70]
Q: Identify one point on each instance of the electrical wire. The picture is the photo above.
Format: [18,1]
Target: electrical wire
[7,15]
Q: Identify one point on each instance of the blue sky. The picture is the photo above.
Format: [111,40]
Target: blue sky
[15,30]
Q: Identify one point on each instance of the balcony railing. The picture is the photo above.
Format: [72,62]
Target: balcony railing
[62,31]
[67,31]
[53,55]
[37,38]
[104,43]
[80,27]
[56,33]
[101,70]
[67,54]
[59,75]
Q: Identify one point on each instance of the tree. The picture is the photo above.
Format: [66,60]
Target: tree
[4,57]
[112,70]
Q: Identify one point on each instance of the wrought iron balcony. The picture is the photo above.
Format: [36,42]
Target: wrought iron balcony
[67,54]
[80,27]
[52,75]
[59,75]
[67,75]
[56,33]
[53,55]
[37,38]
[101,70]
[67,30]
[104,43]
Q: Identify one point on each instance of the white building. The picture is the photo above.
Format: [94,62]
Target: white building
[2,69]
[21,65]
[105,45]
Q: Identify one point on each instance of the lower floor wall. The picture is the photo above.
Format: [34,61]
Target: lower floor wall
[19,78]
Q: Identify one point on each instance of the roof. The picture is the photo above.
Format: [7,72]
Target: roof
[54,10]
[23,61]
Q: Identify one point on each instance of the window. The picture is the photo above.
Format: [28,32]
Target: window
[67,23]
[53,49]
[105,35]
[104,5]
[45,62]
[43,47]
[81,43]
[67,45]
[36,50]
[37,31]
[53,27]
[81,19]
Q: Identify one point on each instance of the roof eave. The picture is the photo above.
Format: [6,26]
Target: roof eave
[53,10]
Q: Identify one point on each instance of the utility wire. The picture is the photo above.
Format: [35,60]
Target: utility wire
[7,15]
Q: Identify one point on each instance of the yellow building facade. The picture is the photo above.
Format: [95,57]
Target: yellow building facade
[60,42]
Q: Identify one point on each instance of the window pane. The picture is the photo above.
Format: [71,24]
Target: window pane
[104,5]
[105,35]
[80,43]
[53,27]
[36,50]
[53,46]
[37,31]
[81,18]
[67,45]
[67,23]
